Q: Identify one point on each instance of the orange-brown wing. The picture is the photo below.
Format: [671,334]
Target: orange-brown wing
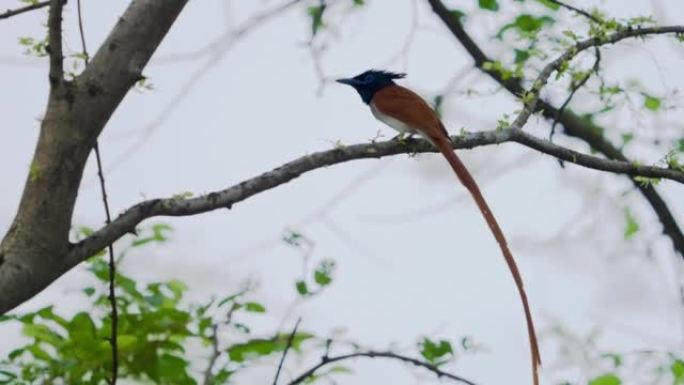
[406,106]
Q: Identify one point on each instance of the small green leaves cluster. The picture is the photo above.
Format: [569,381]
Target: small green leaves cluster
[155,326]
[499,68]
[316,14]
[34,47]
[672,161]
[647,181]
[503,123]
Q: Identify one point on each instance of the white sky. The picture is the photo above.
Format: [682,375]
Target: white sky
[414,256]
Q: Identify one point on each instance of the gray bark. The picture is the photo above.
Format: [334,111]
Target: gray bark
[34,251]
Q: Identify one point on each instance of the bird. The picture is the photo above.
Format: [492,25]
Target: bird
[409,114]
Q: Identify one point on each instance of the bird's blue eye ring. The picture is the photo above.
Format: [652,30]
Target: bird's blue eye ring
[368,78]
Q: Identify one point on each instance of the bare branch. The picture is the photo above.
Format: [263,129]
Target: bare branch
[574,88]
[325,360]
[578,11]
[13,12]
[55,41]
[287,349]
[215,353]
[573,125]
[127,221]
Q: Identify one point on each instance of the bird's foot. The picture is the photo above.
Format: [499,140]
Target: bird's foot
[404,137]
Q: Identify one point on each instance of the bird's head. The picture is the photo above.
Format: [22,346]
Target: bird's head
[371,81]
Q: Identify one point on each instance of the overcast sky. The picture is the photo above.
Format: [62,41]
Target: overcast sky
[414,256]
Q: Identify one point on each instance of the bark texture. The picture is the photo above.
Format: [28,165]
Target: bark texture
[34,251]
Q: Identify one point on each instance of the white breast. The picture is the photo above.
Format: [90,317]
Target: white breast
[392,122]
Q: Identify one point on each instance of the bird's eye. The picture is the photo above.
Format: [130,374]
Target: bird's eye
[369,78]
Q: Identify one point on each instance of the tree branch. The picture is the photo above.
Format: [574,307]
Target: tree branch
[226,198]
[374,354]
[287,349]
[13,12]
[33,251]
[573,125]
[575,86]
[578,11]
[55,41]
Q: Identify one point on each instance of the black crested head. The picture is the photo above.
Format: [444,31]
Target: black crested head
[371,81]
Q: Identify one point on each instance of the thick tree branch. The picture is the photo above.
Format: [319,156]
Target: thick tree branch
[55,41]
[573,125]
[127,221]
[33,252]
[374,354]
[18,11]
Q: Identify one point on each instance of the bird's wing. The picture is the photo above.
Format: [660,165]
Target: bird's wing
[406,106]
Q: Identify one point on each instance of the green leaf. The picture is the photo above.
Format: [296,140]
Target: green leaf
[549,4]
[631,226]
[458,15]
[606,379]
[255,307]
[521,56]
[126,342]
[38,353]
[302,289]
[316,14]
[251,349]
[492,5]
[651,102]
[42,333]
[15,353]
[4,318]
[677,370]
[434,352]
[89,291]
[526,24]
[222,376]
[323,273]
[681,145]
[173,370]
[359,3]
[6,377]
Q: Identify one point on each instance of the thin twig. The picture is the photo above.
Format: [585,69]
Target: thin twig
[13,12]
[287,348]
[326,360]
[81,32]
[112,276]
[574,89]
[577,11]
[113,338]
[215,353]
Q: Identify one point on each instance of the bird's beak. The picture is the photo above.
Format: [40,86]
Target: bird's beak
[351,82]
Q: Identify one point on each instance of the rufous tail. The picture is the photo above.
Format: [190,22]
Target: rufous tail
[445,147]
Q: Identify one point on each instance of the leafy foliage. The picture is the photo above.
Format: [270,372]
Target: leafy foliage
[157,328]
